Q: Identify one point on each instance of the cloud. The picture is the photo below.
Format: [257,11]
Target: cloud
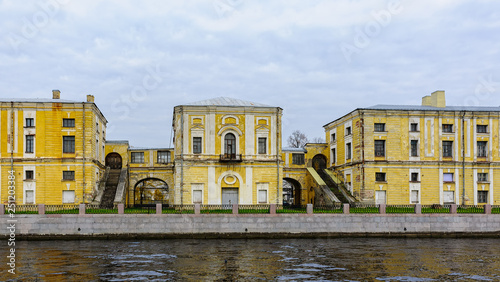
[282,53]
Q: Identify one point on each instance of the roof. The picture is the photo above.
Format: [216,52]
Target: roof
[292,149]
[421,108]
[226,101]
[117,141]
[148,148]
[36,100]
[430,108]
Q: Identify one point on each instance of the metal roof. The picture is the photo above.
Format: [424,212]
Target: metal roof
[148,148]
[117,141]
[292,149]
[430,108]
[226,101]
[36,100]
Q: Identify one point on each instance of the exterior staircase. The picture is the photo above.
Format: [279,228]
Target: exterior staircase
[337,186]
[108,196]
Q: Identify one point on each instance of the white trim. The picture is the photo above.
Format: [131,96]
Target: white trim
[247,189]
[274,135]
[214,195]
[249,134]
[230,116]
[491,199]
[219,184]
[197,186]
[263,187]
[223,141]
[231,128]
[210,129]
[474,196]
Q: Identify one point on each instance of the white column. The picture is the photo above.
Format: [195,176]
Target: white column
[247,189]
[214,197]
[249,134]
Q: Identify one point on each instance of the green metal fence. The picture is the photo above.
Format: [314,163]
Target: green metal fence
[400,209]
[470,209]
[436,208]
[254,209]
[178,209]
[24,209]
[291,209]
[216,209]
[335,208]
[363,208]
[96,209]
[62,209]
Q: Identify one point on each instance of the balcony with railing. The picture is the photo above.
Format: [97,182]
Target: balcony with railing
[230,158]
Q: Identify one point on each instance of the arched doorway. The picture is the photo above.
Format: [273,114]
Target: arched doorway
[114,161]
[292,195]
[319,162]
[150,191]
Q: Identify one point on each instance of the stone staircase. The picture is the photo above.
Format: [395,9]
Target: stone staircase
[332,185]
[108,196]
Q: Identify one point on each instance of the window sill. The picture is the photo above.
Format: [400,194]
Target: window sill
[415,182]
[67,180]
[449,182]
[29,180]
[380,131]
[483,182]
[380,181]
[414,131]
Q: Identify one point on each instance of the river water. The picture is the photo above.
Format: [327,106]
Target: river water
[345,259]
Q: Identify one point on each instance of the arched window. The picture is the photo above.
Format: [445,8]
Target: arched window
[230,144]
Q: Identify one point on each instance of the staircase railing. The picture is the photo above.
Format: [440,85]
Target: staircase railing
[101,187]
[347,193]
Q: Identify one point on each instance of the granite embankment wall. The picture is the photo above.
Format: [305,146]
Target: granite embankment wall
[74,226]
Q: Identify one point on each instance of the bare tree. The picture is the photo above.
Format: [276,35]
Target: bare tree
[318,140]
[297,139]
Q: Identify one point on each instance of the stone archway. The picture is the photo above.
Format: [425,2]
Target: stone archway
[319,162]
[114,160]
[292,192]
[150,191]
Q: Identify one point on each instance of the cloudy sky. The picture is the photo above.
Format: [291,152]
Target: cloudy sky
[316,59]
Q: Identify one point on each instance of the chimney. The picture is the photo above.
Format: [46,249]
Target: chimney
[90,98]
[56,94]
[436,99]
[426,101]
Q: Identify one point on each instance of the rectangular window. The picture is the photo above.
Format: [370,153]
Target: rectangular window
[448,128]
[137,157]
[334,156]
[380,197]
[447,177]
[29,197]
[298,159]
[380,176]
[447,149]
[348,151]
[68,197]
[30,143]
[448,197]
[68,122]
[414,177]
[262,145]
[196,145]
[414,197]
[482,128]
[29,174]
[379,148]
[348,131]
[197,196]
[414,127]
[68,144]
[163,157]
[262,197]
[380,127]
[414,148]
[334,138]
[482,177]
[482,151]
[69,175]
[482,197]
[30,122]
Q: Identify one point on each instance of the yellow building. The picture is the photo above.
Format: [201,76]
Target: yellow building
[227,151]
[428,154]
[55,148]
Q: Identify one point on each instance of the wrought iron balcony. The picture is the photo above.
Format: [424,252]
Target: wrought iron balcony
[230,158]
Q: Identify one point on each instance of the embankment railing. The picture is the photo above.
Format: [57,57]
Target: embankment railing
[337,208]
